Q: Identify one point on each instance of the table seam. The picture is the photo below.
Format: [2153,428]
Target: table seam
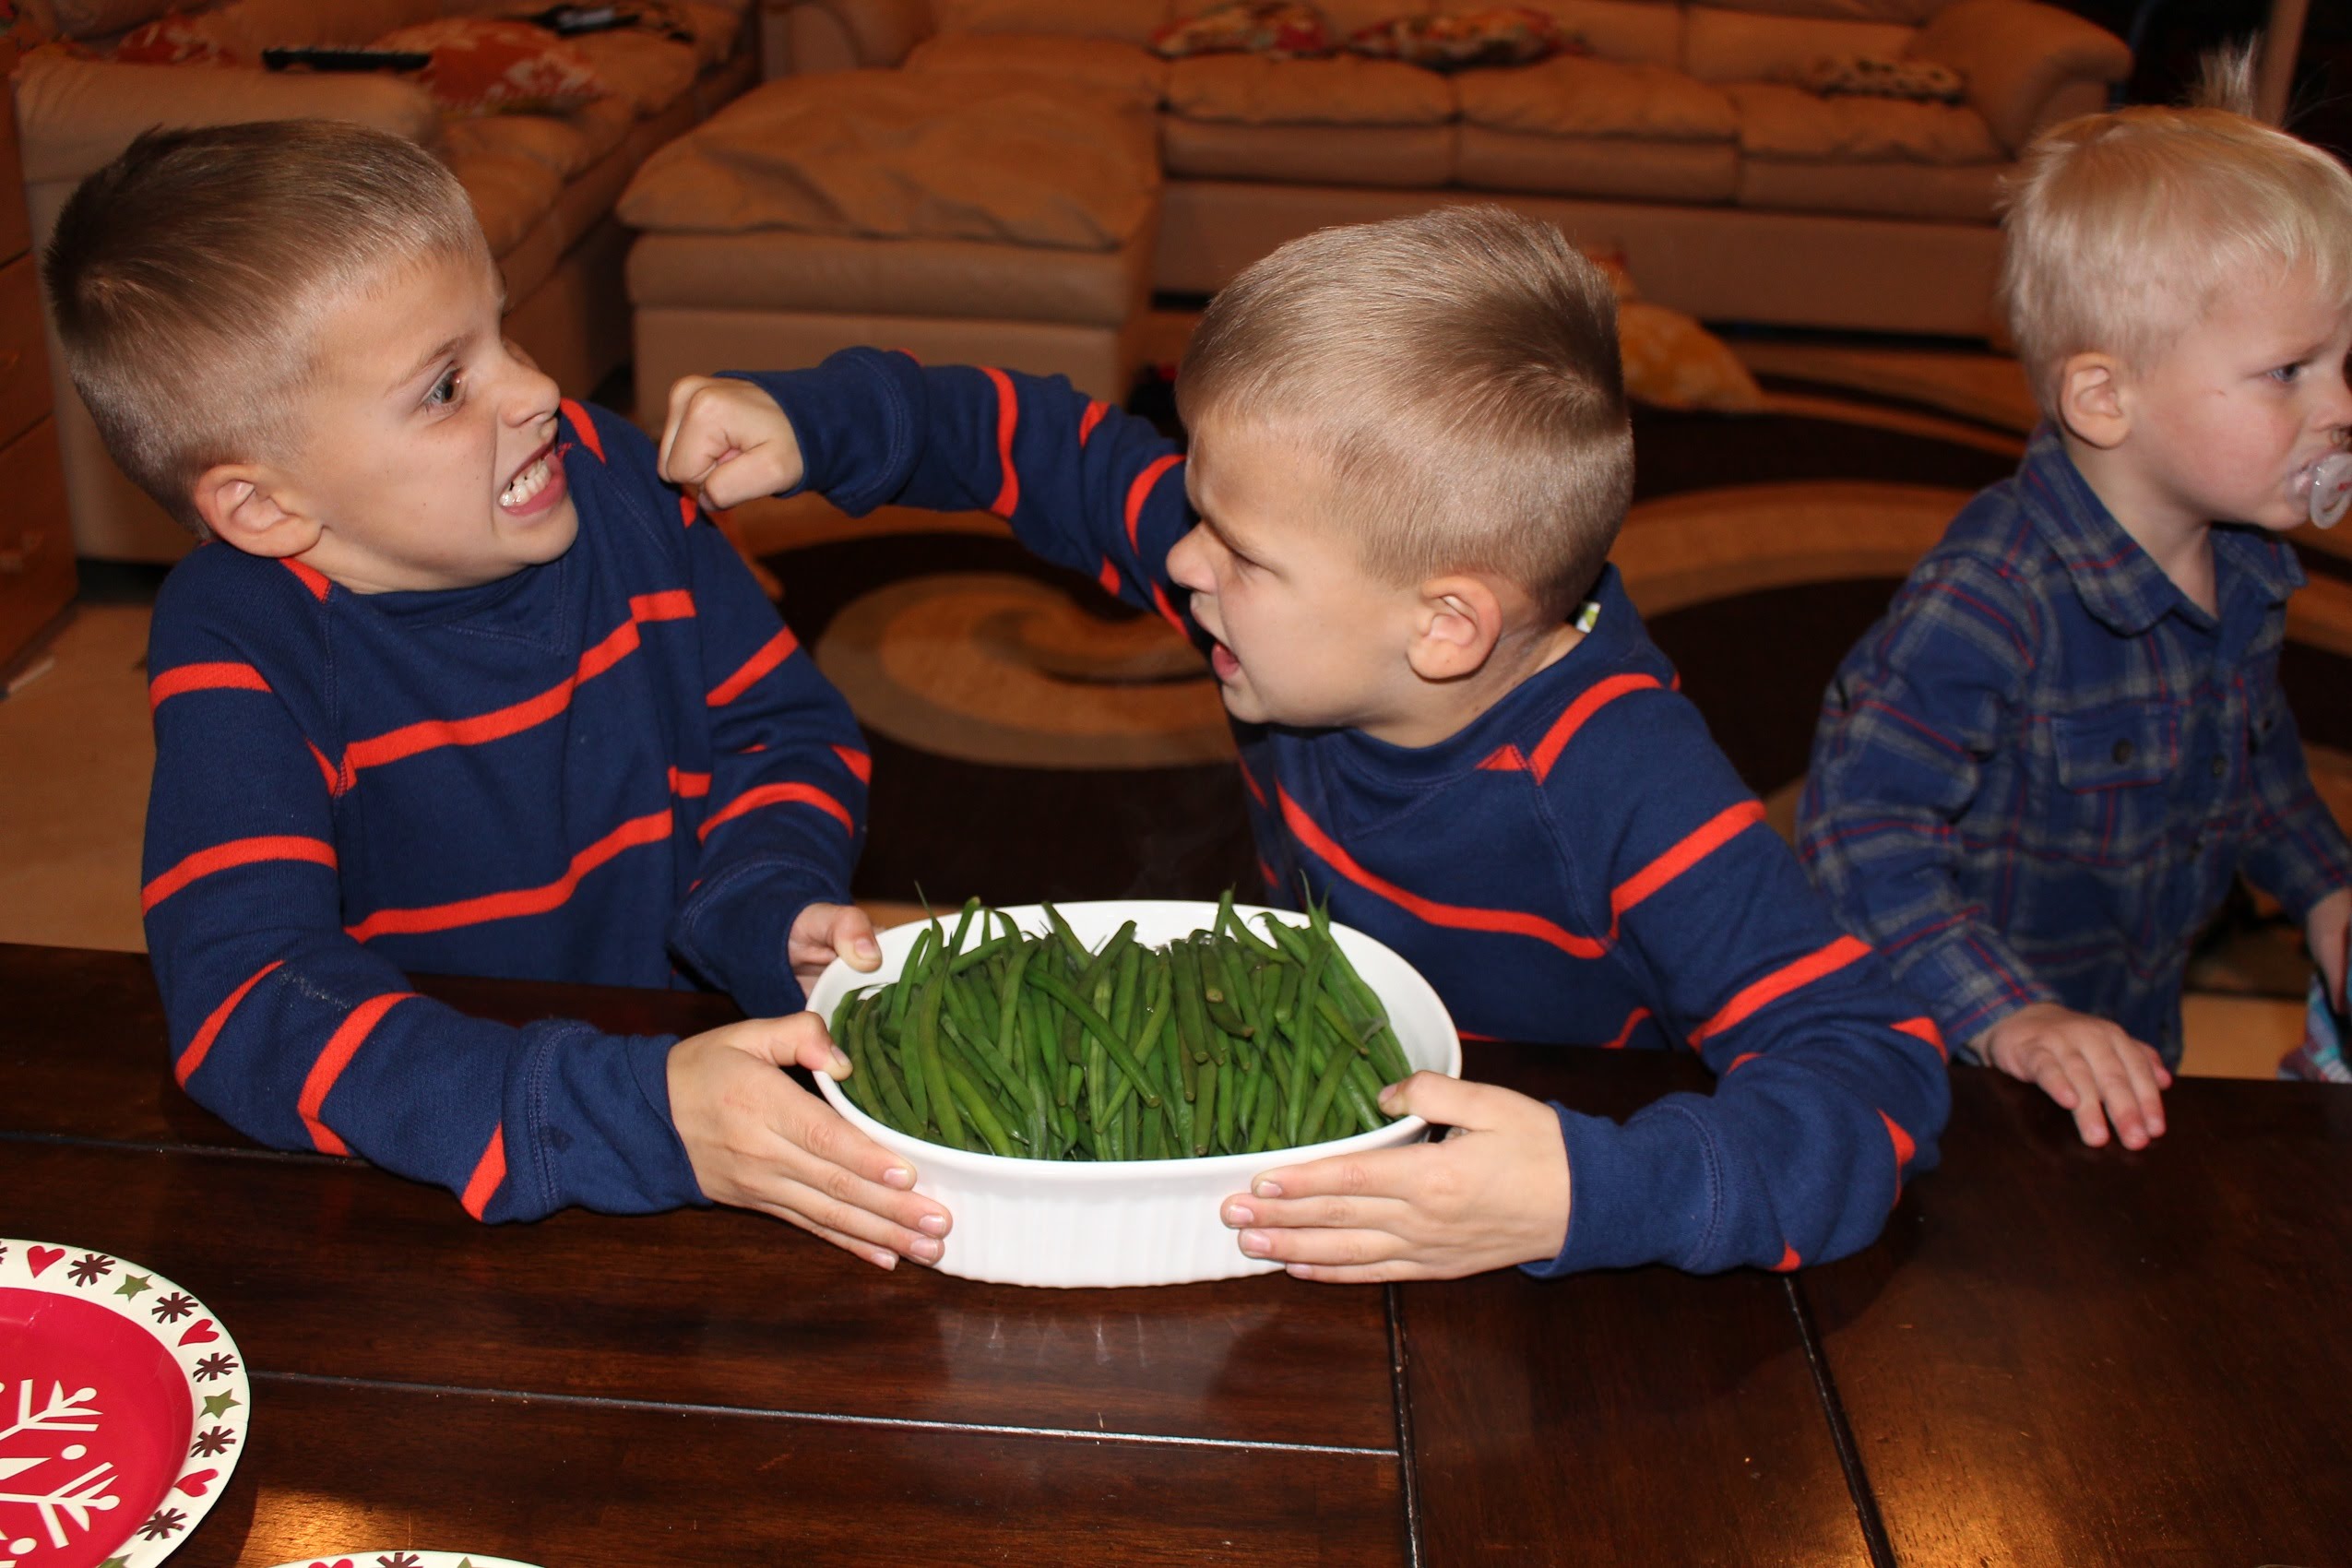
[1841,1433]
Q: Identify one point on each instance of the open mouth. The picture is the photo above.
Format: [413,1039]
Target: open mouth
[1221,659]
[536,485]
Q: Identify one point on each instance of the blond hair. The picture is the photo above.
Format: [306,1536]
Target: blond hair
[1458,374]
[189,278]
[2123,229]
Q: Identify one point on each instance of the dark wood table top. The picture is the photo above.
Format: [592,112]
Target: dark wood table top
[2056,1355]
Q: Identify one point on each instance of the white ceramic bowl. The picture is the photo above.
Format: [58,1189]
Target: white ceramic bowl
[1131,1221]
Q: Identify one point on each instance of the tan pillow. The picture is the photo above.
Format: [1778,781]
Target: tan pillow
[890,155]
[1131,21]
[1344,91]
[1673,362]
[1786,122]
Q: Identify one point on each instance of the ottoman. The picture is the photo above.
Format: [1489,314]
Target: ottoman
[961,219]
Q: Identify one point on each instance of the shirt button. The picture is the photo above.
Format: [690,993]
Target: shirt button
[2221,767]
[2122,752]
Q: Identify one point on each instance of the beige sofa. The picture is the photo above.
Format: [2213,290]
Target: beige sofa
[543,186]
[1679,143]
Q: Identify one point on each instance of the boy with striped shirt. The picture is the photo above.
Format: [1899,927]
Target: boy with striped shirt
[1409,457]
[456,685]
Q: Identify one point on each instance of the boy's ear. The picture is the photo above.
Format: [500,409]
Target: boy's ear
[246,504]
[1456,624]
[2093,399]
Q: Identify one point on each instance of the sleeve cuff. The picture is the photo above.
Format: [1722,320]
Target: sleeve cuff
[600,1130]
[1645,1190]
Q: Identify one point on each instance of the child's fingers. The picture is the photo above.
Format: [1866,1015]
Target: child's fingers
[816,1051]
[686,467]
[853,939]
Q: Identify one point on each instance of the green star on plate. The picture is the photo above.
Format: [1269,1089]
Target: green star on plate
[218,1403]
[115,1562]
[133,1284]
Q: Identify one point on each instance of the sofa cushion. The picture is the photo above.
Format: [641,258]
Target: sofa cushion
[1342,17]
[1575,97]
[884,154]
[1647,32]
[1948,193]
[1413,157]
[1280,27]
[1130,21]
[1132,74]
[649,70]
[1909,12]
[483,65]
[1344,91]
[1734,46]
[257,25]
[1784,122]
[1497,35]
[510,193]
[1614,167]
[96,18]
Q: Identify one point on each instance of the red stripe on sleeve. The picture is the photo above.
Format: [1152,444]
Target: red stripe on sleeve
[1509,922]
[860,765]
[648,829]
[1140,491]
[1904,1147]
[585,427]
[1599,694]
[686,518]
[1694,847]
[1108,576]
[1505,759]
[218,677]
[1924,1029]
[772,794]
[192,1058]
[341,1046]
[1632,1022]
[489,1172]
[310,577]
[235,853]
[1780,983]
[1789,1260]
[1167,610]
[1008,419]
[776,649]
[690,786]
[1096,409]
[1741,1060]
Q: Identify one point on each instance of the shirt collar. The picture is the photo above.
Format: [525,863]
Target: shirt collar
[2119,582]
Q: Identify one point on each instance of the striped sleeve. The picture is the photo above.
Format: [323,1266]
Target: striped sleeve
[783,812]
[295,1033]
[1084,485]
[1896,762]
[1831,1086]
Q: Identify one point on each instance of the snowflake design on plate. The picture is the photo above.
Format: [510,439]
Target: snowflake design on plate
[89,1268]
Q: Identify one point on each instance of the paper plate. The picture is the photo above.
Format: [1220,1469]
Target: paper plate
[406,1559]
[122,1409]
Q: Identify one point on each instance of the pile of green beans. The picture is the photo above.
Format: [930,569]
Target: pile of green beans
[1039,1048]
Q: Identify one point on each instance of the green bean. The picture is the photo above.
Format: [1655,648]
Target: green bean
[1239,990]
[1326,1086]
[1096,1025]
[1204,1110]
[943,1101]
[963,924]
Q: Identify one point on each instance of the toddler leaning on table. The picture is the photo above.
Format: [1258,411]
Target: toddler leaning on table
[2035,781]
[457,686]
[1409,457]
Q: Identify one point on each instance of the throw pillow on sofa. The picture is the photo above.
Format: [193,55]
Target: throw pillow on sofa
[1871,76]
[176,40]
[1501,35]
[484,67]
[1273,28]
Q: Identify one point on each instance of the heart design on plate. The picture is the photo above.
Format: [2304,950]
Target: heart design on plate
[200,1332]
[194,1484]
[41,1257]
[339,1562]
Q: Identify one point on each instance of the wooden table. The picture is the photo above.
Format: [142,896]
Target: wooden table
[2054,1357]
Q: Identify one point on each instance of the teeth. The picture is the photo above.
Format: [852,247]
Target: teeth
[527,484]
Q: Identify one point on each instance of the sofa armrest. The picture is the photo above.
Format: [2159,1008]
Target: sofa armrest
[843,34]
[75,115]
[2020,61]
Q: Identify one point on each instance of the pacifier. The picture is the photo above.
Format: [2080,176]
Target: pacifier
[2331,489]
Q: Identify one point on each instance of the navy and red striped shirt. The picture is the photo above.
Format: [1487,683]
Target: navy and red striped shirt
[1578,865]
[618,768]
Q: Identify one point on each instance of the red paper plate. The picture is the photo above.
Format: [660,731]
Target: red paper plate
[122,1409]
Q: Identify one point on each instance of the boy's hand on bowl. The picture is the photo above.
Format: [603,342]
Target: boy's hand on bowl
[1492,1193]
[821,933]
[2088,1065]
[758,1140]
[728,441]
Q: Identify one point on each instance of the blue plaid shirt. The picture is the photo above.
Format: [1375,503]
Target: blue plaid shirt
[2036,777]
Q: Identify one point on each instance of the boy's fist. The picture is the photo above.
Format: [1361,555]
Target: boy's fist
[821,933]
[728,441]
[2086,1065]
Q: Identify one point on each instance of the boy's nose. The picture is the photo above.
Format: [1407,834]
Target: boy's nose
[1188,561]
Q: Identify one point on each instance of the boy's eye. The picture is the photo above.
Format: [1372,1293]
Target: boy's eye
[2286,372]
[445,391]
